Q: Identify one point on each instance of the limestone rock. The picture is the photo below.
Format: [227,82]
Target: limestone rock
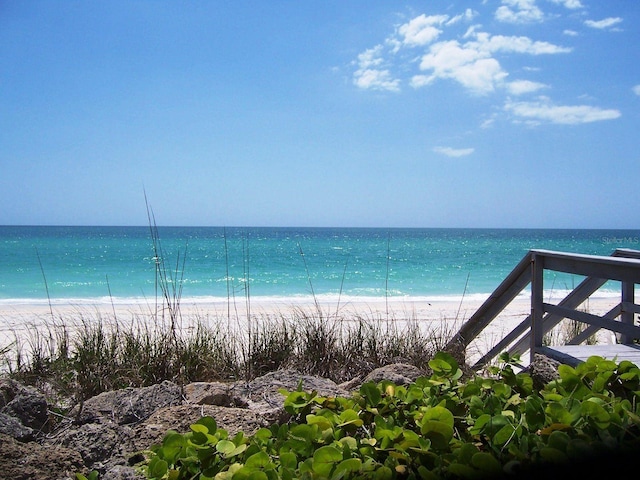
[129,405]
[14,428]
[180,417]
[24,403]
[214,393]
[543,370]
[32,461]
[398,373]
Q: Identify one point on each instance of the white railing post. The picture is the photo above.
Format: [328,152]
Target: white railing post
[628,295]
[537,308]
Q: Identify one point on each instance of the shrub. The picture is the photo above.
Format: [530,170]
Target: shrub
[437,427]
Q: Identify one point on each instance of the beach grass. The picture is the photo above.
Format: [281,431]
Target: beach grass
[82,355]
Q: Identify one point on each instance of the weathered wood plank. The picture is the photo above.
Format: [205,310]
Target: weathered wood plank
[613,268]
[631,331]
[616,352]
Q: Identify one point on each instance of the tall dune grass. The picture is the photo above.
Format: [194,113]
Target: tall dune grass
[94,353]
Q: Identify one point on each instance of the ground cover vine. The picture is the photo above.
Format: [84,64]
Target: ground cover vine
[440,426]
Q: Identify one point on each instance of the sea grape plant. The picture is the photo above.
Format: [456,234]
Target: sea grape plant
[437,427]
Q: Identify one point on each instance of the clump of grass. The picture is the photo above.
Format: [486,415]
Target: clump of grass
[99,353]
[269,346]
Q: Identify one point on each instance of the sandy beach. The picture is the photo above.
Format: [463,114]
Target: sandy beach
[27,321]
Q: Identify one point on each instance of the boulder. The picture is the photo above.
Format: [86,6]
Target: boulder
[32,461]
[128,405]
[101,445]
[24,403]
[179,418]
[14,428]
[398,373]
[543,370]
[214,393]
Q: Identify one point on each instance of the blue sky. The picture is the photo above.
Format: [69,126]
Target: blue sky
[500,113]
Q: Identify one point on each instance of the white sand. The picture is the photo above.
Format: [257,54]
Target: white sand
[27,322]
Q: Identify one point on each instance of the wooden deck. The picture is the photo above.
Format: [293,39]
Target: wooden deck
[622,265]
[574,354]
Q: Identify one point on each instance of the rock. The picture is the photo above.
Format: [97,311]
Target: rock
[129,405]
[24,403]
[121,472]
[101,445]
[32,461]
[398,373]
[213,393]
[109,432]
[14,428]
[543,370]
[180,417]
[265,388]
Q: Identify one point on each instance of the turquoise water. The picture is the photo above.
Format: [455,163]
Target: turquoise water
[119,263]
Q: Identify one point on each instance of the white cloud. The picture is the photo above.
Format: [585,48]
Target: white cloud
[570,33]
[454,152]
[418,81]
[472,64]
[544,111]
[570,4]
[501,43]
[371,57]
[604,23]
[371,75]
[636,90]
[519,87]
[422,30]
[468,15]
[472,68]
[519,11]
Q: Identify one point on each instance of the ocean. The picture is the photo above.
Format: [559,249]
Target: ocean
[119,264]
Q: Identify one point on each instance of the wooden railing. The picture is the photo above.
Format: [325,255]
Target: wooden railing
[623,265]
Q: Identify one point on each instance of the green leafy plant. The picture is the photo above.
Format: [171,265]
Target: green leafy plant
[436,427]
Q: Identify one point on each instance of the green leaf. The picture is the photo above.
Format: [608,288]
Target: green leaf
[440,414]
[554,455]
[558,413]
[503,435]
[440,433]
[321,421]
[459,470]
[534,413]
[350,417]
[502,390]
[371,393]
[289,460]
[598,415]
[443,364]
[558,440]
[263,434]
[210,423]
[383,473]
[259,460]
[350,465]
[225,447]
[199,428]
[324,458]
[157,468]
[172,446]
